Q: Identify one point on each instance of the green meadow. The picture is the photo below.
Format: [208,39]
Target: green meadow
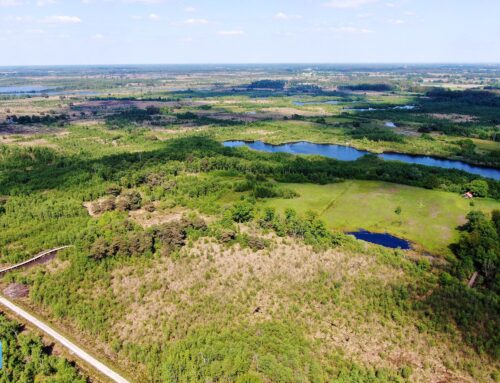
[428,218]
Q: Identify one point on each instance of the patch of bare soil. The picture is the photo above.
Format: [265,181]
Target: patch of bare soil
[90,209]
[16,290]
[454,117]
[146,218]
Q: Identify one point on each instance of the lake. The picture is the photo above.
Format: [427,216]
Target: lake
[382,239]
[23,89]
[36,90]
[347,153]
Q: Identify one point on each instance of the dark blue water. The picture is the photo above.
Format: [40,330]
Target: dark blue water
[385,239]
[339,152]
[346,153]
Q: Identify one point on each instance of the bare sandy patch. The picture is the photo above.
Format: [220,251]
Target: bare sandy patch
[454,117]
[147,219]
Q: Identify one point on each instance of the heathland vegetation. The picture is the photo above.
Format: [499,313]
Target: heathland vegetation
[196,262]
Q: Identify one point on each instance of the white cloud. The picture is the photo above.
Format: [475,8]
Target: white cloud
[190,9]
[196,21]
[35,31]
[20,19]
[43,3]
[62,20]
[233,32]
[145,2]
[142,1]
[98,36]
[285,16]
[346,4]
[353,30]
[10,3]
[154,17]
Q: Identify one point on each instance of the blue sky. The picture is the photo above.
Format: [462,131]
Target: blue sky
[45,32]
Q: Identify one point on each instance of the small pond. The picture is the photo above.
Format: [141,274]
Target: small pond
[382,239]
[347,153]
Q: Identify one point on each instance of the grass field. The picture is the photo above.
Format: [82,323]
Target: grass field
[428,218]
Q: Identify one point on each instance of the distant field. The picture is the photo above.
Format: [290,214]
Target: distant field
[428,218]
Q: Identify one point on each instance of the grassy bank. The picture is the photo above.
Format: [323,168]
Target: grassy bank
[428,218]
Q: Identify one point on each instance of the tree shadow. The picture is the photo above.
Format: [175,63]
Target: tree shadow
[474,313]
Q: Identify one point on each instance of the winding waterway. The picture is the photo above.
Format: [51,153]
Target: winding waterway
[347,153]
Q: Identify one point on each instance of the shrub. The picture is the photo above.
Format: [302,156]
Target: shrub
[256,243]
[100,249]
[130,200]
[242,211]
[114,190]
[478,187]
[108,204]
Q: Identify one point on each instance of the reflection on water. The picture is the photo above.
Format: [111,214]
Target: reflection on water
[347,153]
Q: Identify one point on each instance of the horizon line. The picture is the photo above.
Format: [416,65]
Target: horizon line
[254,63]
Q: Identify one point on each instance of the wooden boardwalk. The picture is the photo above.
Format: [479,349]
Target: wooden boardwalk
[37,258]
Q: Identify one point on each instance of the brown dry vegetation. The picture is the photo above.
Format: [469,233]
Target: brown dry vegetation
[454,117]
[212,283]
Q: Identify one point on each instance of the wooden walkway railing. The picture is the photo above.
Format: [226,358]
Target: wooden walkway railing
[36,258]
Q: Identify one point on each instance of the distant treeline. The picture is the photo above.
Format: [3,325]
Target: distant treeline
[368,87]
[267,84]
[34,119]
[470,97]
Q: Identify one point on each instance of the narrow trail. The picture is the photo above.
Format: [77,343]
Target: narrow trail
[47,329]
